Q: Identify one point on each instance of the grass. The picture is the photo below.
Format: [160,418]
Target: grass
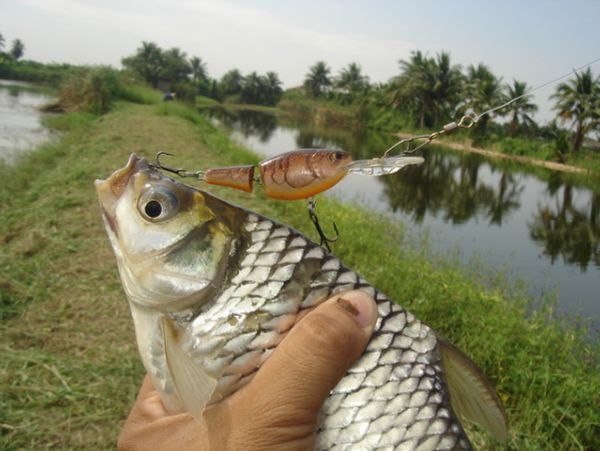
[69,368]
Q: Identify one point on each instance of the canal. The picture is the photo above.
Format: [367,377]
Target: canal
[21,127]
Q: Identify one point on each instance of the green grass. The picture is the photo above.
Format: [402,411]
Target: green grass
[69,369]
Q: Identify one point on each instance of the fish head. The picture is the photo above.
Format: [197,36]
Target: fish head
[171,241]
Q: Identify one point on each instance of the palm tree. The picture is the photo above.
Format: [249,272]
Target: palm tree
[411,90]
[578,101]
[147,62]
[176,67]
[199,71]
[232,82]
[352,80]
[520,108]
[432,87]
[273,88]
[253,88]
[17,50]
[317,81]
[484,91]
[1,41]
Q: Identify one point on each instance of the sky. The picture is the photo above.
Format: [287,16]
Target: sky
[533,41]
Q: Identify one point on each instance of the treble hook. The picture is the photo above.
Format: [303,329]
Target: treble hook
[181,172]
[315,220]
[164,167]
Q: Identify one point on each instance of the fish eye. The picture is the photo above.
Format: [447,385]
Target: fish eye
[158,204]
[337,155]
[153,209]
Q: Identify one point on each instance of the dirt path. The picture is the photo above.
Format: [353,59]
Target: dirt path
[553,165]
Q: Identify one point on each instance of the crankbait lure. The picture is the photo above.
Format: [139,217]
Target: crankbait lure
[299,174]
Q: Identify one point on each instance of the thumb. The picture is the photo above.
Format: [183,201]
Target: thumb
[318,352]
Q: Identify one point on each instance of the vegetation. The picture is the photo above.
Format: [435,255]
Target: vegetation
[95,89]
[431,91]
[17,50]
[317,81]
[69,366]
[578,101]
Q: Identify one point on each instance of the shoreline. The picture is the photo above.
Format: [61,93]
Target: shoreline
[552,165]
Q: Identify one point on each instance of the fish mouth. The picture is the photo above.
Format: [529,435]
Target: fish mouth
[110,190]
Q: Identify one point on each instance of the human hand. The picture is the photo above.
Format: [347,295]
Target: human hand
[279,408]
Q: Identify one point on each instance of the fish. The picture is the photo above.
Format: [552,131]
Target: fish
[213,288]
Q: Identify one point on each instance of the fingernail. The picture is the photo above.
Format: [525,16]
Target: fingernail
[360,306]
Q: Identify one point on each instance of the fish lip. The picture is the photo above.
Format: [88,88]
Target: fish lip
[110,190]
[117,181]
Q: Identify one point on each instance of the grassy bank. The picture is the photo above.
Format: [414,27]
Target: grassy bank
[69,368]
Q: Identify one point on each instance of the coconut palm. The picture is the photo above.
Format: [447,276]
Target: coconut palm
[351,79]
[273,88]
[430,87]
[176,67]
[232,82]
[484,91]
[411,89]
[147,62]
[253,88]
[519,109]
[317,81]
[17,50]
[199,71]
[578,102]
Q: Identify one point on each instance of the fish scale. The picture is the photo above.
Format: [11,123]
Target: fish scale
[398,380]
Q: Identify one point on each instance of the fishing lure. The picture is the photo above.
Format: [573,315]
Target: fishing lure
[299,174]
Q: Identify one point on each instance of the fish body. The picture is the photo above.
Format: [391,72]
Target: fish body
[214,288]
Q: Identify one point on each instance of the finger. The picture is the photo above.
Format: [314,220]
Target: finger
[148,406]
[317,352]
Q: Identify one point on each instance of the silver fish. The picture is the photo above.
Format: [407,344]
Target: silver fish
[213,288]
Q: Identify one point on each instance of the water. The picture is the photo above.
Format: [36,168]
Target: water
[539,229]
[21,128]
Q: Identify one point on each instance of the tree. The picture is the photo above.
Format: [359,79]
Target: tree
[17,50]
[520,108]
[199,71]
[1,41]
[232,82]
[317,81]
[428,88]
[175,67]
[253,89]
[273,88]
[147,62]
[351,80]
[484,91]
[578,102]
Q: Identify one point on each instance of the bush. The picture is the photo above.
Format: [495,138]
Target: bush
[93,91]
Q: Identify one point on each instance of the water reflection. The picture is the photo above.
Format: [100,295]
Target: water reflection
[451,187]
[248,123]
[542,227]
[567,230]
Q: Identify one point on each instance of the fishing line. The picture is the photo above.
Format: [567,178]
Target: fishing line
[529,91]
[469,120]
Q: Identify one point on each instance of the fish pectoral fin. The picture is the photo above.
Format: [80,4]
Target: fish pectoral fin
[193,385]
[471,395]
